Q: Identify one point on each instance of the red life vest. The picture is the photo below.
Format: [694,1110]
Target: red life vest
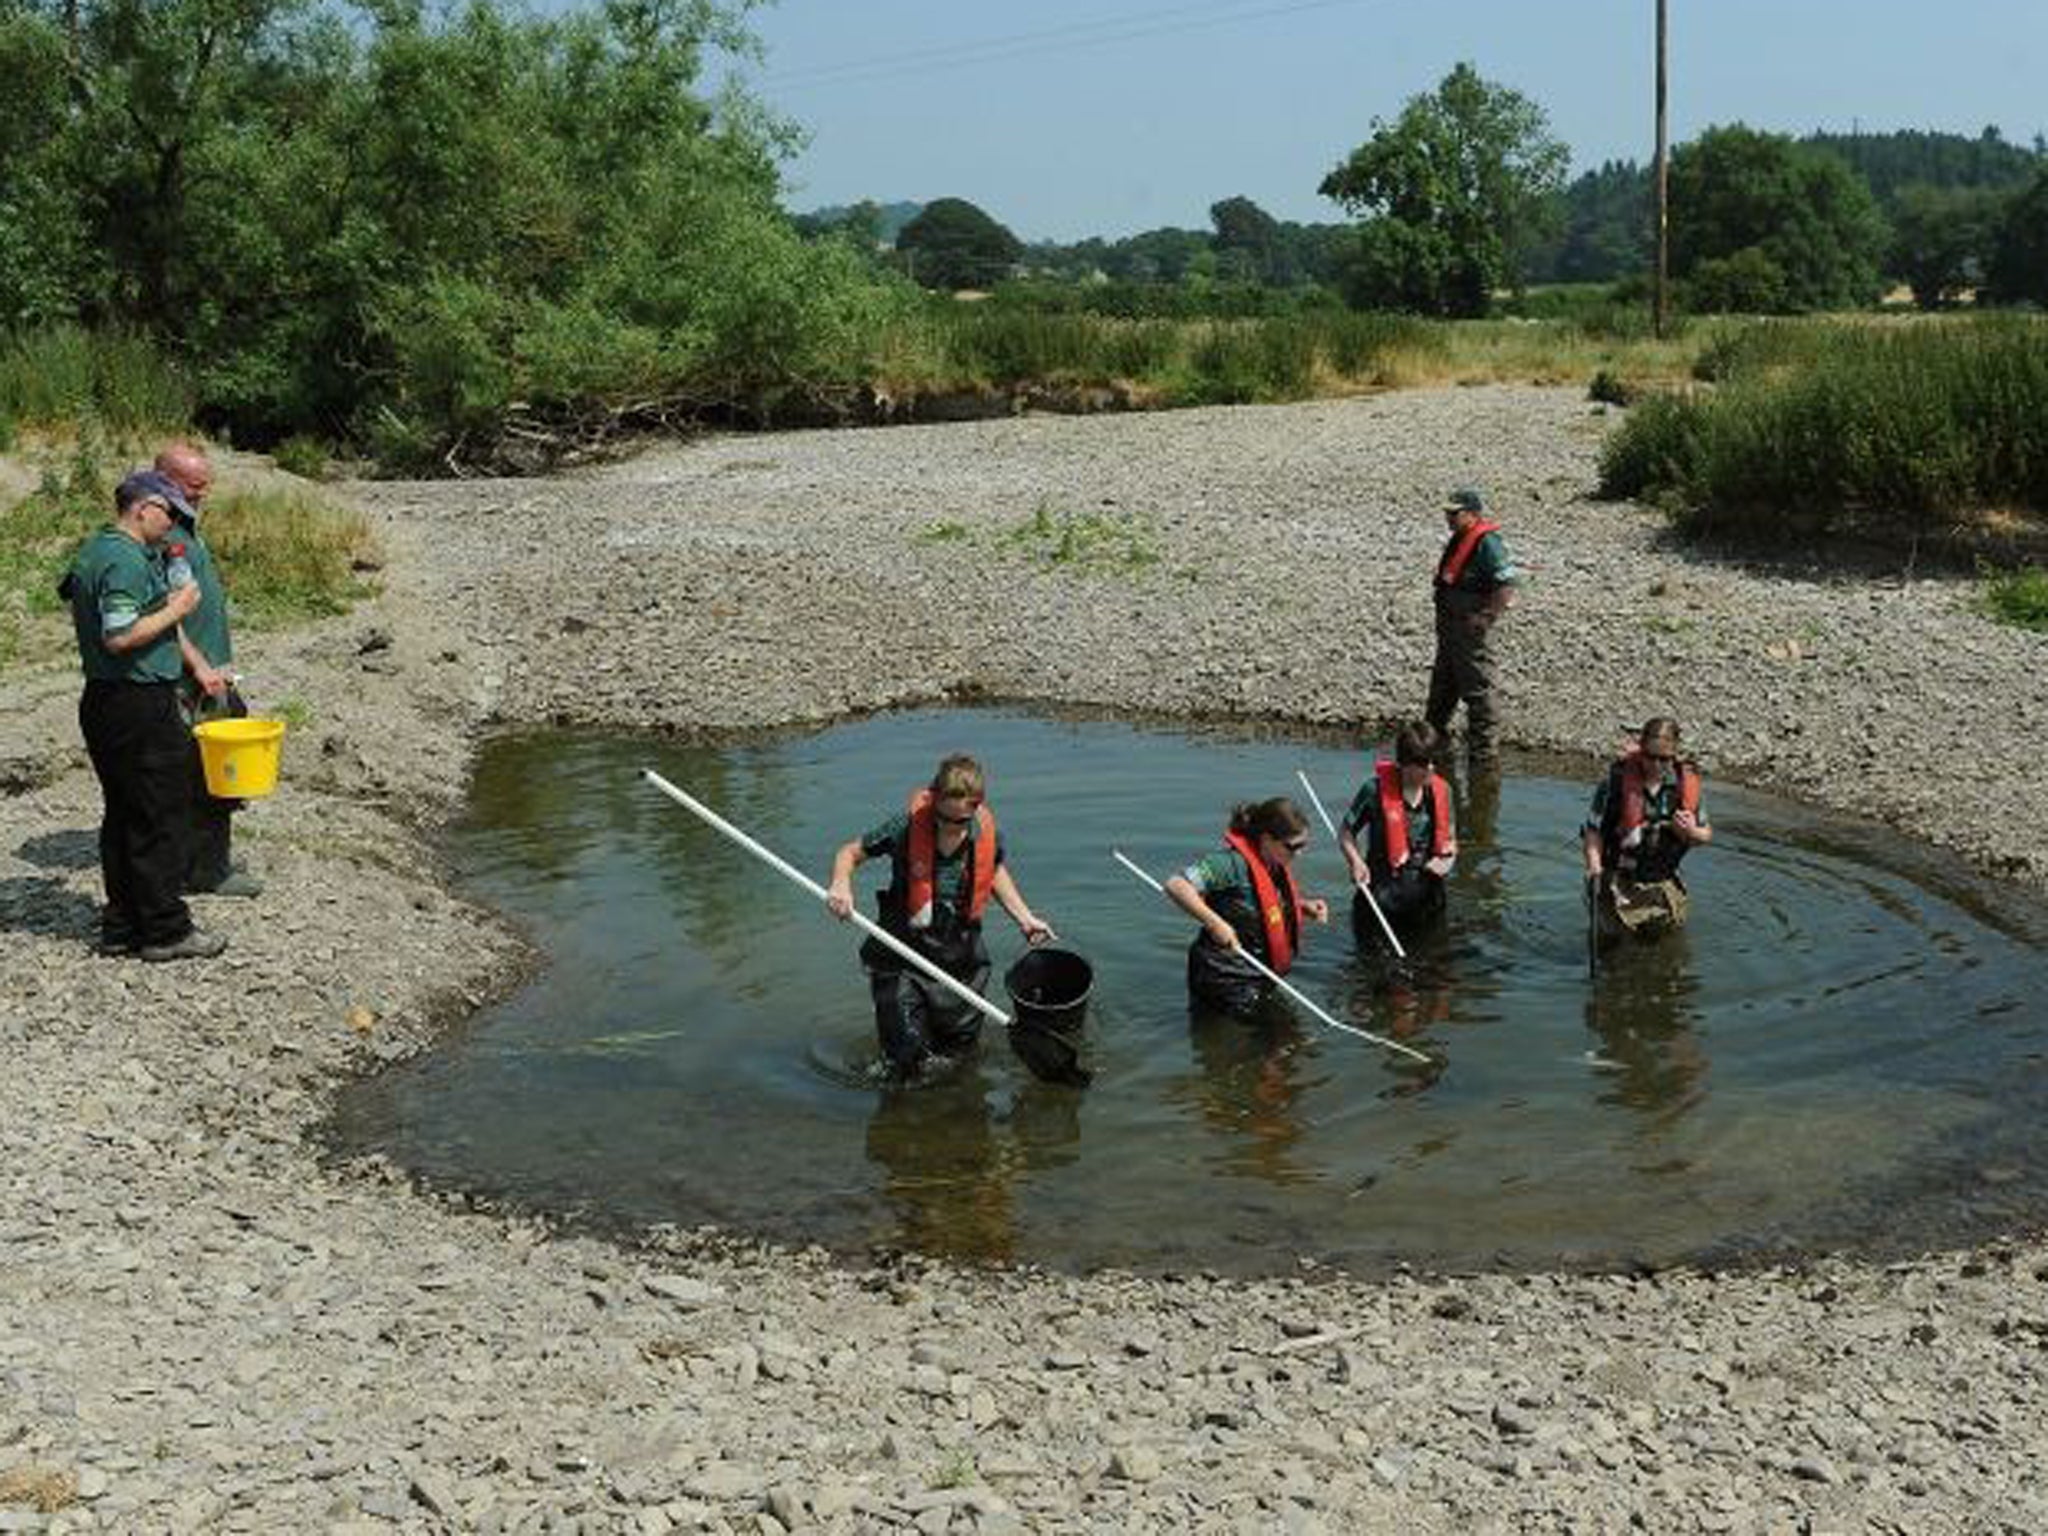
[1635,777]
[1394,814]
[921,862]
[1279,906]
[1459,551]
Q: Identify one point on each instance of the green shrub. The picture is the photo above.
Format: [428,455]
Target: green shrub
[2018,597]
[1897,433]
[63,374]
[301,455]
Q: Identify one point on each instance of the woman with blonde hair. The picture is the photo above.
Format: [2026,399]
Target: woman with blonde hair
[946,860]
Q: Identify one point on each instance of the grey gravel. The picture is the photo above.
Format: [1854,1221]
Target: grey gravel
[211,1327]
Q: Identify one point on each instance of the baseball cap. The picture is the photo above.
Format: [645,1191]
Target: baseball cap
[145,484]
[1465,499]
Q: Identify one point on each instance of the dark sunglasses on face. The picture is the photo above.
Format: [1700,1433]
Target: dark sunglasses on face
[1294,844]
[954,821]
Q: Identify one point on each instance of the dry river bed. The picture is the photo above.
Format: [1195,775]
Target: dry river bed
[204,1326]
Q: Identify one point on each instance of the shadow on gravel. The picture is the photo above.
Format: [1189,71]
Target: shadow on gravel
[78,848]
[46,905]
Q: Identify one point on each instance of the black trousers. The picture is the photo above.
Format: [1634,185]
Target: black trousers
[141,752]
[916,1018]
[207,837]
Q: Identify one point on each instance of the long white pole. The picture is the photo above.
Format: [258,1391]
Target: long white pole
[874,930]
[1364,889]
[1280,981]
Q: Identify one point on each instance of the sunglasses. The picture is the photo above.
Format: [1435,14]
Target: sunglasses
[1294,844]
[953,821]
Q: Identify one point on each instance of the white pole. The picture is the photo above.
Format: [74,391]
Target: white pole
[874,930]
[1278,980]
[1364,889]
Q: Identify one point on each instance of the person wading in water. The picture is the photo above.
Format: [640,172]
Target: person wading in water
[1646,816]
[1411,838]
[1245,898]
[945,862]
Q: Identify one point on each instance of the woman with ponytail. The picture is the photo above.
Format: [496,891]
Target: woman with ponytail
[1245,897]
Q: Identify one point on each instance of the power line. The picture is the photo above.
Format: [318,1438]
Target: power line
[1078,35]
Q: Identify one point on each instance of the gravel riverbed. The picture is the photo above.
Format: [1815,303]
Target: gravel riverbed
[206,1326]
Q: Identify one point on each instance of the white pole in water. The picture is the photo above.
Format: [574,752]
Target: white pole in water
[1279,981]
[874,930]
[1364,889]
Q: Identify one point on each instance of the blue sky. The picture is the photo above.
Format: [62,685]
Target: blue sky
[1066,118]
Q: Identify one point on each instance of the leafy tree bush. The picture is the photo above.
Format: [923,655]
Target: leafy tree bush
[1758,223]
[440,234]
[1941,239]
[953,244]
[2018,269]
[1452,196]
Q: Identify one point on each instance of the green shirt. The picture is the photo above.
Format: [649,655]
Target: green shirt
[1221,873]
[114,582]
[207,625]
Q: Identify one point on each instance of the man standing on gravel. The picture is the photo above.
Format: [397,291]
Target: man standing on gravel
[1475,582]
[207,690]
[126,618]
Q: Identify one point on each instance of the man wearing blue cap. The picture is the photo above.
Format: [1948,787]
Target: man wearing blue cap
[126,616]
[1475,582]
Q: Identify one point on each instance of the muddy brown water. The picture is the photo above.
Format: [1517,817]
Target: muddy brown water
[1847,1049]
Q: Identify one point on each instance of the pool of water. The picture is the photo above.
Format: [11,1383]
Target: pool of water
[1846,1048]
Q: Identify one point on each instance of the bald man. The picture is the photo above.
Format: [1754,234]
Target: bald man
[208,651]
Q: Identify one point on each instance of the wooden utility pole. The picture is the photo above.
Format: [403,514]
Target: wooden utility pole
[1663,173]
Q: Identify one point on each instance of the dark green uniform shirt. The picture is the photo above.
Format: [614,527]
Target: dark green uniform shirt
[114,582]
[207,625]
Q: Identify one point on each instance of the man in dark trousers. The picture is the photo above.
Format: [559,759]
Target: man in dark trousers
[1475,582]
[126,616]
[207,691]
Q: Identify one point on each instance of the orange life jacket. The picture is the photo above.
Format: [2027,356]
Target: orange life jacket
[1279,906]
[921,861]
[1635,777]
[1459,551]
[1394,814]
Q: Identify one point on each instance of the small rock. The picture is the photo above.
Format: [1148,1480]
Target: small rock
[1135,1464]
[683,1290]
[1815,1469]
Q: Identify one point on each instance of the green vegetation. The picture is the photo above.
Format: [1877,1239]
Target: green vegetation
[1761,226]
[1452,196]
[2018,597]
[1096,542]
[55,376]
[953,244]
[1898,434]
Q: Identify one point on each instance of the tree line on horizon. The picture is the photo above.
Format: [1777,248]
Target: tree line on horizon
[1762,223]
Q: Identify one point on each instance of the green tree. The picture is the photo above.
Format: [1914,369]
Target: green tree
[1804,226]
[1249,244]
[2018,272]
[1941,239]
[953,244]
[1452,195]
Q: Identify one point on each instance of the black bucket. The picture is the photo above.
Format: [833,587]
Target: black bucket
[1049,989]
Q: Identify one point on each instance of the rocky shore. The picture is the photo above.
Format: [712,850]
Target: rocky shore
[205,1326]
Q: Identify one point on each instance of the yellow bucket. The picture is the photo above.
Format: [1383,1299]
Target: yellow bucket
[240,756]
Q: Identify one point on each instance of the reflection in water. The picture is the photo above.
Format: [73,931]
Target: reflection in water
[1644,1012]
[1250,1071]
[951,1170]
